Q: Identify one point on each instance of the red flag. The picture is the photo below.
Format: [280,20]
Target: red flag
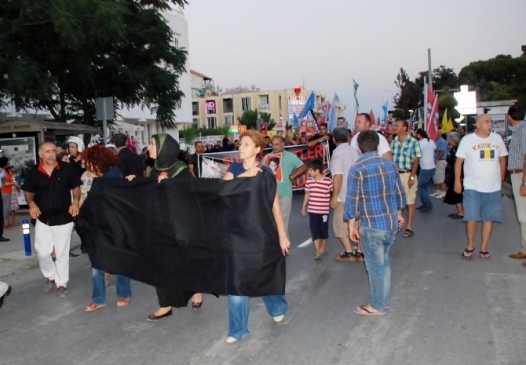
[433,121]
[373,120]
[429,106]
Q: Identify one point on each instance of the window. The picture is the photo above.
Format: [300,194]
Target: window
[212,122]
[228,106]
[210,107]
[245,103]
[279,102]
[263,99]
[195,108]
[229,120]
[195,123]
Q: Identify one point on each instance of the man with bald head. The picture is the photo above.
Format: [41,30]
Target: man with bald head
[49,188]
[483,156]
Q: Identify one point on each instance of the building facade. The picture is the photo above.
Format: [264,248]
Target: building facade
[214,107]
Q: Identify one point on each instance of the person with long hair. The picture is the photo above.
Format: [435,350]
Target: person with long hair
[101,162]
[427,168]
[250,152]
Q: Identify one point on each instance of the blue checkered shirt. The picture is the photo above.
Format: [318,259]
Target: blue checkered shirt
[404,153]
[375,192]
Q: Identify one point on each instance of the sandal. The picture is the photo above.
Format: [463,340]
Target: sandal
[408,233]
[121,302]
[93,307]
[484,255]
[366,312]
[467,254]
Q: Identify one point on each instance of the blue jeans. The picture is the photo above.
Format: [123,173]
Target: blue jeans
[239,307]
[423,178]
[99,287]
[375,245]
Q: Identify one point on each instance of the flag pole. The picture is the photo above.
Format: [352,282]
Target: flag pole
[430,71]
[425,104]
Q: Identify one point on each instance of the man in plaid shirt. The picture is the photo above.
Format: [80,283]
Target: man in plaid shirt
[406,152]
[375,195]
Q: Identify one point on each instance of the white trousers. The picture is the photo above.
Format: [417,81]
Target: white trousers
[47,238]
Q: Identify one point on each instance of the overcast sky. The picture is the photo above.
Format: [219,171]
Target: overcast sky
[277,44]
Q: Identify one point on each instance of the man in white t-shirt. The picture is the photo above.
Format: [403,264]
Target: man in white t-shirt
[427,168]
[483,155]
[363,123]
[343,158]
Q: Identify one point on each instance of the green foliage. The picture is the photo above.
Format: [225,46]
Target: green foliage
[249,118]
[188,134]
[59,55]
[499,78]
[400,114]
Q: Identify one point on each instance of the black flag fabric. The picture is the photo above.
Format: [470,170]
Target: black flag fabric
[200,235]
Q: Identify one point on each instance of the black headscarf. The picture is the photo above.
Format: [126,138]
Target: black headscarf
[167,149]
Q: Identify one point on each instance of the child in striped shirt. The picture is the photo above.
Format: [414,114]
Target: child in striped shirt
[317,197]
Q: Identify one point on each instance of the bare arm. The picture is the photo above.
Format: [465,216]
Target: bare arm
[503,163]
[300,171]
[34,210]
[74,207]
[458,174]
[304,206]
[336,187]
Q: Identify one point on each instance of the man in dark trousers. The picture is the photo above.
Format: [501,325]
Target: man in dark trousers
[131,163]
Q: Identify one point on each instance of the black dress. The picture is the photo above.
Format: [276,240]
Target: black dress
[451,197]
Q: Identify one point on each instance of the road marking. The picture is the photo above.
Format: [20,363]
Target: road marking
[305,243]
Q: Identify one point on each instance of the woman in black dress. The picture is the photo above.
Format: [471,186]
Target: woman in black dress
[452,198]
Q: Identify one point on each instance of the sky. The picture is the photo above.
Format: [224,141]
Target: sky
[324,45]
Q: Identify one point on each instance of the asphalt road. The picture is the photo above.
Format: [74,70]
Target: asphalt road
[444,311]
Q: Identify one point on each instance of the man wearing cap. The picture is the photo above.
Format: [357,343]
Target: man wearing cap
[131,163]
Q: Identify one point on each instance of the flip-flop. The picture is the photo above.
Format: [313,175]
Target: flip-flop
[484,255]
[365,312]
[467,254]
[408,233]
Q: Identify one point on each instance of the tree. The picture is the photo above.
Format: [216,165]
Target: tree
[61,55]
[499,78]
[249,118]
[408,96]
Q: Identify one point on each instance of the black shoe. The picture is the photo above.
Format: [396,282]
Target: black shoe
[152,317]
[426,209]
[4,296]
[74,255]
[421,207]
[3,239]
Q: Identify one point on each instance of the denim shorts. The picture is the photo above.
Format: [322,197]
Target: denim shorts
[482,207]
[319,225]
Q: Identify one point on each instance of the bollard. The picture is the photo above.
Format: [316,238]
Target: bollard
[27,237]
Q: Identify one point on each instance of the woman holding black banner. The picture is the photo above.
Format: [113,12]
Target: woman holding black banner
[250,152]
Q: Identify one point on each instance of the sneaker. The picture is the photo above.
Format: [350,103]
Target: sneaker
[231,340]
[48,286]
[62,292]
[358,256]
[73,255]
[278,319]
[434,194]
[344,256]
[441,196]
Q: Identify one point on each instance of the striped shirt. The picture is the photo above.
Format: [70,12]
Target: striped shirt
[517,147]
[374,193]
[405,152]
[319,195]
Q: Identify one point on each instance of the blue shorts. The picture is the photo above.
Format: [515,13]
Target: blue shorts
[319,226]
[482,207]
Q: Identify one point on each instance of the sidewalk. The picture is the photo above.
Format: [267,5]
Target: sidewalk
[12,255]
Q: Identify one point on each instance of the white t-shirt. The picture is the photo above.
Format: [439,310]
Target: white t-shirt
[383,146]
[481,161]
[343,158]
[427,161]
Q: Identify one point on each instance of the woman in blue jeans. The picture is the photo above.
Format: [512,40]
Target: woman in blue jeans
[427,168]
[250,152]
[102,162]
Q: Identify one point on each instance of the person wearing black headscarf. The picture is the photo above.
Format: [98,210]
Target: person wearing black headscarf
[164,149]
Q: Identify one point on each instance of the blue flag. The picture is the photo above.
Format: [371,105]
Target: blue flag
[332,122]
[309,105]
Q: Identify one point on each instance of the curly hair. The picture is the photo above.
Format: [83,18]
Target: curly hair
[99,159]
